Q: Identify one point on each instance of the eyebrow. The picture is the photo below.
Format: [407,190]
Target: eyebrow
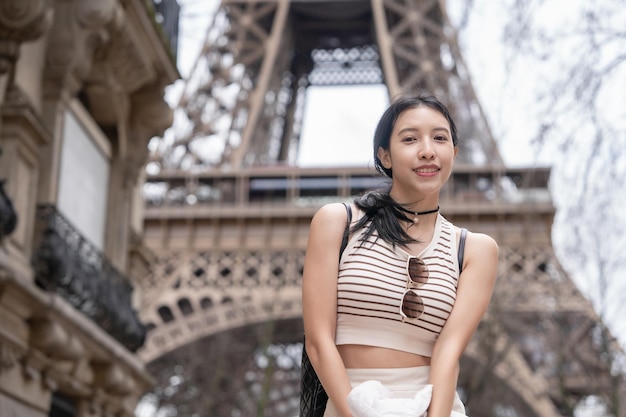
[412,129]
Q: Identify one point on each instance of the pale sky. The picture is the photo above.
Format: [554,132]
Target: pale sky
[339,124]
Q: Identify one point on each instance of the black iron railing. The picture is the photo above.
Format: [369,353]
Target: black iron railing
[71,266]
[8,216]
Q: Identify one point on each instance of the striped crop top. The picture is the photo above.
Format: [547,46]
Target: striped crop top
[372,280]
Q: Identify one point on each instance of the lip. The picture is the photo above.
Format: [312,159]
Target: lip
[427,170]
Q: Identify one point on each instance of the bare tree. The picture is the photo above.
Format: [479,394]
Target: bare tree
[577,52]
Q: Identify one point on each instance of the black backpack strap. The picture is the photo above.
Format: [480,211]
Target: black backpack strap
[346,232]
[461,249]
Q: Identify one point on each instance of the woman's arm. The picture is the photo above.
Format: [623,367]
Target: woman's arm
[472,299]
[319,302]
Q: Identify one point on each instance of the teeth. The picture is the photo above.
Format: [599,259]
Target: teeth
[426,170]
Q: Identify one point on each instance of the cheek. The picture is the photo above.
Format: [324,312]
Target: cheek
[451,154]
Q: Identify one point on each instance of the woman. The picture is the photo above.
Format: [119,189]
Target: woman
[395,308]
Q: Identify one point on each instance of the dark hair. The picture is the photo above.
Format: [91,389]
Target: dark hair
[387,121]
[381,211]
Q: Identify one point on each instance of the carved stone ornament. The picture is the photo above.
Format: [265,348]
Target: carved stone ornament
[49,381]
[150,115]
[150,112]
[53,340]
[21,21]
[33,365]
[9,356]
[80,29]
[128,63]
[112,378]
[96,14]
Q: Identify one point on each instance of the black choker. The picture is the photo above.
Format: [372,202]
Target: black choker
[416,214]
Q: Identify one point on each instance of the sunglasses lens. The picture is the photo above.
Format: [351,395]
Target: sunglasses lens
[418,271]
[412,305]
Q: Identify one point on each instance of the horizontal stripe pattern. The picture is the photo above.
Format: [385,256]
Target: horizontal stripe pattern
[372,280]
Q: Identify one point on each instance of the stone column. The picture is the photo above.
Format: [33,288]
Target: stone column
[20,131]
[148,116]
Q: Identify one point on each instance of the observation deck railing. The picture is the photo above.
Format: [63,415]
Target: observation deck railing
[224,193]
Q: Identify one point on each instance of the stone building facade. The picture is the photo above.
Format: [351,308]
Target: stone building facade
[81,94]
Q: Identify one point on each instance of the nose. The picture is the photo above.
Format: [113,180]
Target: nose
[426,150]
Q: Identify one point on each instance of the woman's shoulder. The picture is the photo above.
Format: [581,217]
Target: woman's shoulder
[328,225]
[330,214]
[480,245]
[480,251]
[480,242]
[332,209]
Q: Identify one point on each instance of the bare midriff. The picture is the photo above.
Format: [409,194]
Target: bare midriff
[362,356]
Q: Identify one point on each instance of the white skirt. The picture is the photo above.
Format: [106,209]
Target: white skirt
[402,382]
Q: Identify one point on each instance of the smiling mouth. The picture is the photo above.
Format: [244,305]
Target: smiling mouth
[426,170]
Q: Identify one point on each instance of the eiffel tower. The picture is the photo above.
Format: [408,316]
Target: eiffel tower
[228,212]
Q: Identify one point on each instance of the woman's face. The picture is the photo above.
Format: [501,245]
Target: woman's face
[420,154]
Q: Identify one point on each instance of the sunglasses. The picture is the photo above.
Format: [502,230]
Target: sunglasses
[412,305]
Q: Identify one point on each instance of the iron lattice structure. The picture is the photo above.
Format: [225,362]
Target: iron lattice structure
[243,99]
[227,217]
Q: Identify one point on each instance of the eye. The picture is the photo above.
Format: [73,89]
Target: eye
[441,138]
[408,139]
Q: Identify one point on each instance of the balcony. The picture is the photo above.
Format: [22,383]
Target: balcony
[67,264]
